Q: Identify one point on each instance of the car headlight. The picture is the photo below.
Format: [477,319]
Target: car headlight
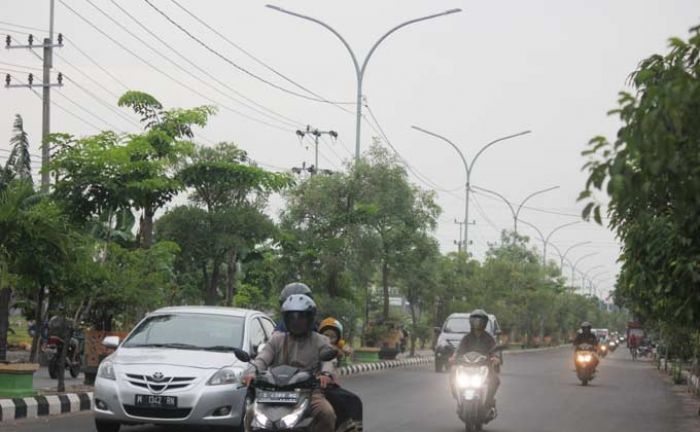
[290,420]
[224,376]
[106,370]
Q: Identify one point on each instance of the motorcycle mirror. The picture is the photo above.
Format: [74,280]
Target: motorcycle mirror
[241,355]
[327,353]
[111,342]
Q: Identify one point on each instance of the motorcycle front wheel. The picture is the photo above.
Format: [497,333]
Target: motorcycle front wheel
[75,370]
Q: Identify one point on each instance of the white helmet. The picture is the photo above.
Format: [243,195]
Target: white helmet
[299,314]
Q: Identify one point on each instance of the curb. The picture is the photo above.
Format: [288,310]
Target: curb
[40,406]
[387,364]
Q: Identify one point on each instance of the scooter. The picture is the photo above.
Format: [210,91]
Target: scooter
[281,397]
[585,358]
[74,361]
[471,378]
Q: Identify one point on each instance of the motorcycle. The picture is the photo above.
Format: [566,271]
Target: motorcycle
[603,349]
[281,398]
[73,360]
[585,358]
[471,377]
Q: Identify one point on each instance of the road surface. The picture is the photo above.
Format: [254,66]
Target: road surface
[539,393]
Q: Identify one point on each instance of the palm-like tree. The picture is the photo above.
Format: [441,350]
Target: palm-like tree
[19,165]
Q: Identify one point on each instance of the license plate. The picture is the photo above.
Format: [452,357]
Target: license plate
[277,397]
[156,401]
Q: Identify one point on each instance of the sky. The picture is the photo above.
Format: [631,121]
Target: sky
[497,68]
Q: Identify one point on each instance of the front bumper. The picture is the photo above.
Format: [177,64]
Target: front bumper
[114,401]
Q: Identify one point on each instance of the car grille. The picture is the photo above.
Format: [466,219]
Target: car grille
[159,385]
[176,413]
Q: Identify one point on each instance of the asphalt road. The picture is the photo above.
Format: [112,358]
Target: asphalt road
[539,393]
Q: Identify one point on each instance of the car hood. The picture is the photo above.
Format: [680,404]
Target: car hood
[175,357]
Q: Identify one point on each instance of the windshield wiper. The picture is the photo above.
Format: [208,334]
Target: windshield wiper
[219,348]
[174,345]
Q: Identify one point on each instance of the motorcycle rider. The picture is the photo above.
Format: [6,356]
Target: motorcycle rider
[480,341]
[299,347]
[586,336]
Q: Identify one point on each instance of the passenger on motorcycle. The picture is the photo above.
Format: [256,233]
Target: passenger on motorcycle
[480,341]
[300,347]
[333,329]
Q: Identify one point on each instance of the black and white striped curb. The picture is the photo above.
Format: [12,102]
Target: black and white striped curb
[39,406]
[387,364]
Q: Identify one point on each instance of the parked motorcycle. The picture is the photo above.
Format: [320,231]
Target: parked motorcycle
[74,360]
[281,398]
[585,358]
[471,378]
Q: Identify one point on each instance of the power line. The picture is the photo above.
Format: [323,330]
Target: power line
[246,52]
[482,212]
[122,46]
[90,112]
[23,27]
[22,66]
[284,118]
[93,80]
[236,66]
[99,66]
[103,103]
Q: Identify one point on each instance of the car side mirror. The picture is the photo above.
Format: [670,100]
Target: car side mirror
[111,342]
[327,353]
[241,355]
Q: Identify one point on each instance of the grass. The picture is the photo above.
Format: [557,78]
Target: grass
[18,333]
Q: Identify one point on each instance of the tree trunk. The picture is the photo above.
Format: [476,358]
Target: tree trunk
[39,320]
[385,287]
[5,296]
[147,227]
[365,321]
[231,277]
[66,336]
[414,323]
[212,290]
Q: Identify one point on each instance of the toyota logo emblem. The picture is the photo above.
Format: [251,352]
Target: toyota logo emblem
[158,376]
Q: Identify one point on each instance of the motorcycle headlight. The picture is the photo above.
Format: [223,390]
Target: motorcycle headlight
[224,376]
[470,378]
[584,358]
[260,420]
[290,420]
[106,370]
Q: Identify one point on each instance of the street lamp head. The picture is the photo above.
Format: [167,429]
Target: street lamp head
[451,11]
[274,7]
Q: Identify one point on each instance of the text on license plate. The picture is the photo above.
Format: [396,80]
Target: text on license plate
[277,397]
[155,401]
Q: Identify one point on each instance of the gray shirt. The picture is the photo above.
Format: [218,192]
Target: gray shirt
[285,349]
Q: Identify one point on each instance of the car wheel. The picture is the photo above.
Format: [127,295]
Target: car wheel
[106,426]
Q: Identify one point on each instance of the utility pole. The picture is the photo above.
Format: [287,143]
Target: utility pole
[460,241]
[46,85]
[316,134]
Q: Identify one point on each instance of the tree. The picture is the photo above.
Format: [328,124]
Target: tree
[19,164]
[391,208]
[651,175]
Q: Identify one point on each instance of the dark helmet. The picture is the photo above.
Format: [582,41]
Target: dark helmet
[586,327]
[478,319]
[294,288]
[299,314]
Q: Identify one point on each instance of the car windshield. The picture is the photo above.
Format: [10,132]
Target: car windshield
[188,331]
[457,325]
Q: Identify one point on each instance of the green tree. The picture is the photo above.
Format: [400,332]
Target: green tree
[19,163]
[651,175]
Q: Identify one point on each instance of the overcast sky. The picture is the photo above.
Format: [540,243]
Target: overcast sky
[499,67]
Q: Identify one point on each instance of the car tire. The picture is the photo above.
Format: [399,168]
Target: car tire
[107,426]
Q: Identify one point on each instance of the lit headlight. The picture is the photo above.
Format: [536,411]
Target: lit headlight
[106,370]
[224,376]
[603,347]
[470,378]
[260,420]
[584,358]
[290,420]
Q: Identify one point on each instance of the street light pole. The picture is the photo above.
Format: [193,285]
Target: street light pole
[551,233]
[360,69]
[516,212]
[468,168]
[572,247]
[573,268]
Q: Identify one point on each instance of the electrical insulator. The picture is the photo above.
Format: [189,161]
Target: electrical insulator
[60,38]
[8,41]
[30,79]
[30,39]
[60,78]
[8,79]
[334,134]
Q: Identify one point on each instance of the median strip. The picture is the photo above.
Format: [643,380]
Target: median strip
[40,406]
